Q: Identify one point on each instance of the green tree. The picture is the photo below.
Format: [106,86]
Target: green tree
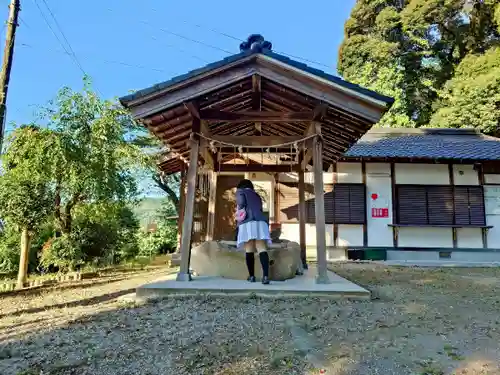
[168,183]
[26,194]
[410,49]
[95,157]
[472,97]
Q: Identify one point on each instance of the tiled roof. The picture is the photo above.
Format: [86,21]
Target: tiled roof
[457,144]
[246,53]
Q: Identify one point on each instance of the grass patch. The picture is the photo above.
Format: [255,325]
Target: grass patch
[453,353]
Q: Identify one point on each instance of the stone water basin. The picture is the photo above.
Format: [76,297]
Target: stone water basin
[223,259]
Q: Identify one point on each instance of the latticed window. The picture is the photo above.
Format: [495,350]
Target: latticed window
[440,205]
[344,203]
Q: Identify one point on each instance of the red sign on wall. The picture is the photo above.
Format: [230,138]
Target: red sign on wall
[380,212]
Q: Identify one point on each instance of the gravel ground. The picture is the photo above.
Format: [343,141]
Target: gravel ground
[420,321]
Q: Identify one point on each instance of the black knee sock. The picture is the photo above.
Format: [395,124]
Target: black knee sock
[250,258]
[264,261]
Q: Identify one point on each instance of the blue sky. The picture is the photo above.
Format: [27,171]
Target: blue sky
[108,35]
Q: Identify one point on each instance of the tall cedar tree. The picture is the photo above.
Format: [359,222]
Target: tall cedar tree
[437,58]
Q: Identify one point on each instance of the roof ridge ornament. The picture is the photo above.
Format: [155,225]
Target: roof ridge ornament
[256,43]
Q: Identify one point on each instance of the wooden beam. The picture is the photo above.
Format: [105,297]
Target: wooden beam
[319,111]
[330,95]
[365,224]
[253,116]
[207,157]
[302,218]
[319,206]
[307,157]
[187,224]
[172,155]
[182,200]
[211,205]
[193,109]
[313,128]
[267,141]
[257,99]
[199,126]
[204,129]
[395,233]
[212,81]
[206,153]
[276,201]
[271,168]
[335,225]
[196,125]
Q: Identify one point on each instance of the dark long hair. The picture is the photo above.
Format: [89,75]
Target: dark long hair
[245,184]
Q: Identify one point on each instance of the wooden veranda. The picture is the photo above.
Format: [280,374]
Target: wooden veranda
[255,99]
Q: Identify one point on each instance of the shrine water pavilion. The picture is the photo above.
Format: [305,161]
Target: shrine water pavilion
[255,113]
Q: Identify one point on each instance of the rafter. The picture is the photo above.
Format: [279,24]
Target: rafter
[257,99]
[255,116]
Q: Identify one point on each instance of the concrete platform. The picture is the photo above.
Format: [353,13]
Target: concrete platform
[304,285]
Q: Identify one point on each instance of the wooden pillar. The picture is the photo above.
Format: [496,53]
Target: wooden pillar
[322,277]
[211,205]
[302,218]
[276,200]
[182,200]
[187,224]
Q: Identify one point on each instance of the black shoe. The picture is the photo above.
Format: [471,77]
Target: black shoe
[265,280]
[251,279]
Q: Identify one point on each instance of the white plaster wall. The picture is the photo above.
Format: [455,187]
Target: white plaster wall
[492,206]
[290,231]
[425,237]
[308,177]
[465,175]
[493,236]
[433,256]
[469,238]
[423,174]
[492,178]
[378,180]
[350,235]
[349,173]
[412,255]
[476,256]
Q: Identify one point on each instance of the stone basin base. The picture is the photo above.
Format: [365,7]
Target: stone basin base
[222,259]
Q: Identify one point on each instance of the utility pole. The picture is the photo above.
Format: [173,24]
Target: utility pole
[8,55]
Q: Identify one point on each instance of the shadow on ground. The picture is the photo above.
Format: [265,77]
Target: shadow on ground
[424,322]
[82,302]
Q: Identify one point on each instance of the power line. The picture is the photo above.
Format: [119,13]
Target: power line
[215,31]
[174,47]
[23,22]
[57,37]
[71,54]
[102,60]
[62,33]
[189,39]
[181,50]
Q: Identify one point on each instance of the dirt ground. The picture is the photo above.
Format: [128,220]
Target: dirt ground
[420,321]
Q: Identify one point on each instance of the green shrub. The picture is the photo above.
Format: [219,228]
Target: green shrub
[9,251]
[162,241]
[64,253]
[102,234]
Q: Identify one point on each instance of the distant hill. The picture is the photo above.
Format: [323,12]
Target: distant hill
[149,209]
